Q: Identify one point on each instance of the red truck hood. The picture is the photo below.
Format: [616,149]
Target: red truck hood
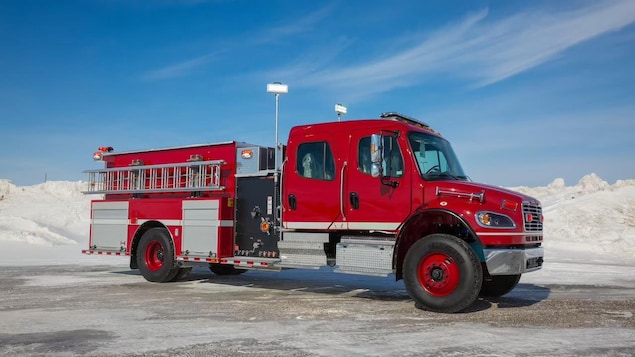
[491,192]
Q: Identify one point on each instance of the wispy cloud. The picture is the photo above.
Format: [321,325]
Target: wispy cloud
[300,25]
[478,48]
[264,36]
[179,69]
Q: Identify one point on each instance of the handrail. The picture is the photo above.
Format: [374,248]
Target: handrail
[342,190]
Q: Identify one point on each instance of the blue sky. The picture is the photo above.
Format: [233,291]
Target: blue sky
[527,91]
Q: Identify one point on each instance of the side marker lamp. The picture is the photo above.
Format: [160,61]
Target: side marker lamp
[509,205]
[264,226]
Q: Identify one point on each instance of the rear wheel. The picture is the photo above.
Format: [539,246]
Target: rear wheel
[442,273]
[155,256]
[498,285]
[225,269]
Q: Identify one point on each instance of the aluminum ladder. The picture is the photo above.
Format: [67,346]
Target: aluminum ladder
[192,176]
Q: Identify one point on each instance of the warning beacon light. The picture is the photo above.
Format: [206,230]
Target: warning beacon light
[98,155]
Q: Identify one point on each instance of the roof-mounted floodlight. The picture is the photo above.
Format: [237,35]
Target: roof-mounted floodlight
[277,88]
[340,110]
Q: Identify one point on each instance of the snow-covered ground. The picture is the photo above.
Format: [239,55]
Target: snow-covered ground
[591,223]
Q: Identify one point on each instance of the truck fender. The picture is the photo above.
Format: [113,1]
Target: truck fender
[137,236]
[425,222]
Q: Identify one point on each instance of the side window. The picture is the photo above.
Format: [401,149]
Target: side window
[315,161]
[393,161]
[363,155]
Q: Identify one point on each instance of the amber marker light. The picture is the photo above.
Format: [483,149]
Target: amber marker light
[247,154]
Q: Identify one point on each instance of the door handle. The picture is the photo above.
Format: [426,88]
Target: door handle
[354,198]
[292,202]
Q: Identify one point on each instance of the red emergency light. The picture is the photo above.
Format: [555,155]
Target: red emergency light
[99,154]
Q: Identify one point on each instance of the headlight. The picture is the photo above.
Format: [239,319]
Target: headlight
[494,220]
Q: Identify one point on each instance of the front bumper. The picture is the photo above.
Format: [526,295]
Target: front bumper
[513,261]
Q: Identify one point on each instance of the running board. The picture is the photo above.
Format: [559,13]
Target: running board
[302,250]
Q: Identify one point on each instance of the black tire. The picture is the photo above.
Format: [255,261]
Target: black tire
[225,269]
[155,256]
[498,285]
[442,273]
[182,274]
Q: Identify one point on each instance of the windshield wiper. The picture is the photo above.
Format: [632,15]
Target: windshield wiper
[444,174]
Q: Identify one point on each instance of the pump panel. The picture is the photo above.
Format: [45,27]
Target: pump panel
[255,234]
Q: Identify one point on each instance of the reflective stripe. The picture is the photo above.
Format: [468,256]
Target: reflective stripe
[509,234]
[226,223]
[197,259]
[167,222]
[378,226]
[101,252]
[308,225]
[119,221]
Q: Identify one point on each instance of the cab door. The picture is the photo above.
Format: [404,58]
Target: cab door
[377,203]
[311,181]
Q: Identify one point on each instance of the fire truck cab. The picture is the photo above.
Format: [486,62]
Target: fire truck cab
[376,197]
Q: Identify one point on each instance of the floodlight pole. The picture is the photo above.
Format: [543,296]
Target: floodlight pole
[275,160]
[277,88]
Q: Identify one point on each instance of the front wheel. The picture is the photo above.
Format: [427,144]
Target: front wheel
[498,285]
[442,273]
[155,256]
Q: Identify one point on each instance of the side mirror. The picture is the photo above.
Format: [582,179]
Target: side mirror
[375,170]
[376,153]
[376,149]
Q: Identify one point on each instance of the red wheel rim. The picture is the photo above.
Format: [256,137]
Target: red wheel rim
[154,255]
[438,274]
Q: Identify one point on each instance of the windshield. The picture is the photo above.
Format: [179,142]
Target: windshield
[435,158]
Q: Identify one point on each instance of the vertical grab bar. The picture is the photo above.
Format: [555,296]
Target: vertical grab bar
[342,190]
[281,197]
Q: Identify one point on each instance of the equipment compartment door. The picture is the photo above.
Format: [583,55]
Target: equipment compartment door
[200,228]
[109,226]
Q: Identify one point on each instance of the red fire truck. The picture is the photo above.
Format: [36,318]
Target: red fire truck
[374,197]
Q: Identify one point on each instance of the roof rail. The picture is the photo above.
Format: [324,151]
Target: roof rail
[404,119]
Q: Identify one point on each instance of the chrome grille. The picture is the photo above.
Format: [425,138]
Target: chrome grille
[533,209]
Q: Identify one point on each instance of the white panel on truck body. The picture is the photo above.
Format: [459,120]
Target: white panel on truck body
[200,228]
[109,226]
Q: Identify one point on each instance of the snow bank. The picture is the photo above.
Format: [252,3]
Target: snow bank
[591,221]
[50,214]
